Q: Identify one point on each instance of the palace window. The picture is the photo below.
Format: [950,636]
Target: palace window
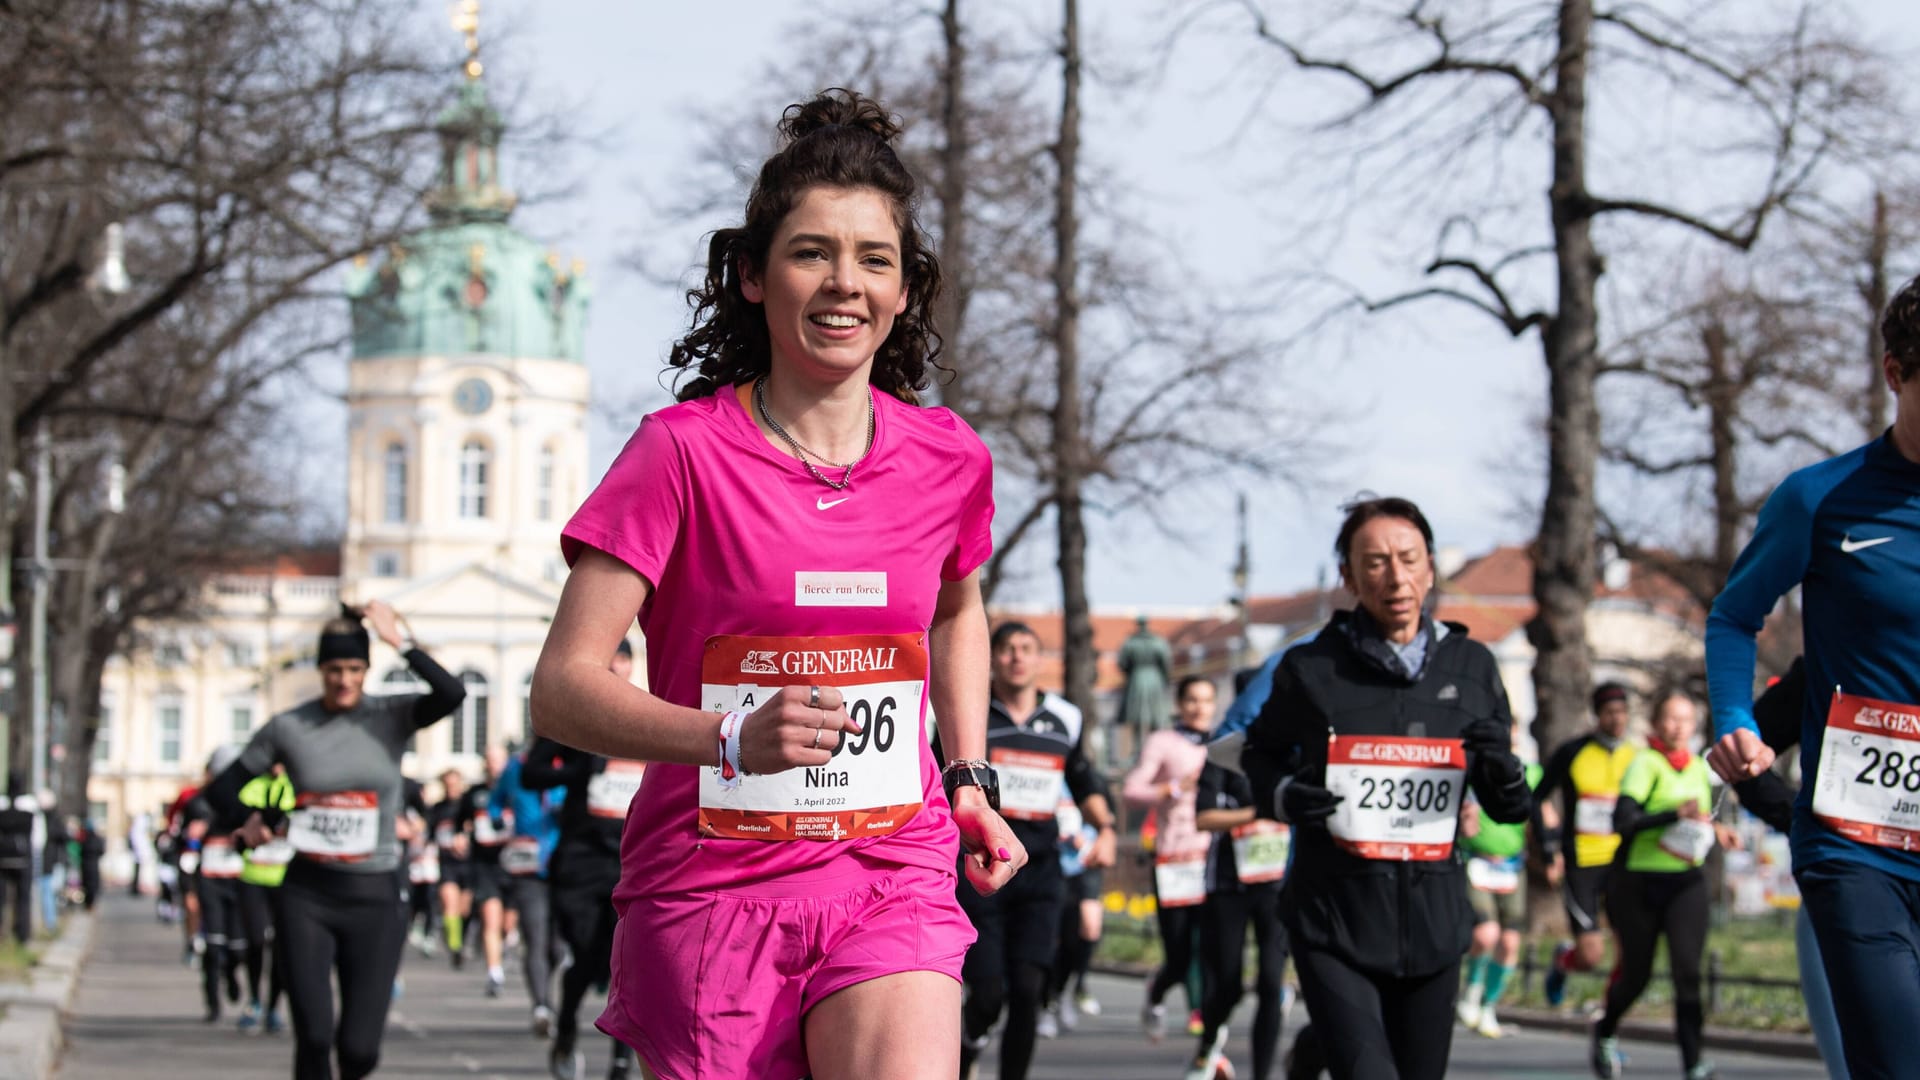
[396,491]
[474,462]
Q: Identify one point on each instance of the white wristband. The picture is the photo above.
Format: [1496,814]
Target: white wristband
[730,769]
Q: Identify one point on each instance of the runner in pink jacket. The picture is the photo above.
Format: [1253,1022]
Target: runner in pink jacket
[1165,778]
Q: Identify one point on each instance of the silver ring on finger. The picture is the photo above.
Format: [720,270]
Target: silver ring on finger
[817,732]
[813,697]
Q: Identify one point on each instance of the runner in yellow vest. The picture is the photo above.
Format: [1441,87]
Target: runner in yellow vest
[265,868]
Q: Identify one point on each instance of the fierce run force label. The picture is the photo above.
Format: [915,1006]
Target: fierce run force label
[871,786]
[1869,787]
[1402,795]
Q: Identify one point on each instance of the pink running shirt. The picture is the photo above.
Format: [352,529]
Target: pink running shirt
[729,531]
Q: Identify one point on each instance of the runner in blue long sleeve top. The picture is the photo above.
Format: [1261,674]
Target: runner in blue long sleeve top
[1846,532]
[536,828]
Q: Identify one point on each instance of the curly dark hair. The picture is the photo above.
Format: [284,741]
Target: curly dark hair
[1900,329]
[840,139]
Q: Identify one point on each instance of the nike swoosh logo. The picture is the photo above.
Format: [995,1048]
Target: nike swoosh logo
[821,503]
[1849,545]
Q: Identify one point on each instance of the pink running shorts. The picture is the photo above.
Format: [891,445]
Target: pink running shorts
[715,986]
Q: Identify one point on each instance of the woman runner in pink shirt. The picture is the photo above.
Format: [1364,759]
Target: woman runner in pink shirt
[801,544]
[1165,779]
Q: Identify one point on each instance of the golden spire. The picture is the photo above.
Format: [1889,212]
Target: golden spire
[466,20]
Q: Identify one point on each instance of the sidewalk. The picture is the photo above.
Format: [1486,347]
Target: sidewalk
[138,1014]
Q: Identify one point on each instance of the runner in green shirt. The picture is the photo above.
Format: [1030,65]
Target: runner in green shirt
[1497,890]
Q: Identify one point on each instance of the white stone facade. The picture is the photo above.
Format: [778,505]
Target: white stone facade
[462,471]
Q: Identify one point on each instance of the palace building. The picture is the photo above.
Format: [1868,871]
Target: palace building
[466,453]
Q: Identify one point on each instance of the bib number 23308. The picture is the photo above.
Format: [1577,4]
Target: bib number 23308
[1402,795]
[871,785]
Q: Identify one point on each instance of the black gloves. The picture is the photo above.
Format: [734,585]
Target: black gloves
[1491,749]
[1302,801]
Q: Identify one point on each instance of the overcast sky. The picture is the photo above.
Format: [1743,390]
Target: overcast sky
[1445,397]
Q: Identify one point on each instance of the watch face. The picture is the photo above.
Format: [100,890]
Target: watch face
[473,397]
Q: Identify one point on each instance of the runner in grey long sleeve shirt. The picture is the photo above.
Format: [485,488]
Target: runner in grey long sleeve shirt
[340,902]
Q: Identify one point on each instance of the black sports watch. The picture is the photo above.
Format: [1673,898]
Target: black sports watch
[972,773]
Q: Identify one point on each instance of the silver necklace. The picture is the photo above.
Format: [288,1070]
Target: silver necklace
[805,455]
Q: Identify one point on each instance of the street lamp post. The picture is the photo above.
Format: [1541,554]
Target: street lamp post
[40,575]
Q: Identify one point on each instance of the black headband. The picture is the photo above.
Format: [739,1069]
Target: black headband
[355,645]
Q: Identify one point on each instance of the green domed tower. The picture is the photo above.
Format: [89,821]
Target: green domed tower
[467,389]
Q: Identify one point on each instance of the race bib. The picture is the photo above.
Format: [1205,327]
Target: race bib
[1260,850]
[220,859]
[1402,795]
[444,834]
[424,868]
[1500,876]
[521,856]
[189,862]
[340,826]
[872,784]
[612,789]
[1593,815]
[1688,840]
[1029,782]
[275,852]
[1180,881]
[486,833]
[1869,786]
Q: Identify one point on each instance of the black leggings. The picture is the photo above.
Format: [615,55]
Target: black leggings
[349,923]
[224,929]
[1378,1027]
[584,918]
[1178,932]
[1006,969]
[1223,949]
[1073,956]
[1643,906]
[257,904]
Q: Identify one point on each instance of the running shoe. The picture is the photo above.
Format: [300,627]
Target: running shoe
[495,984]
[1605,1057]
[542,1022]
[1048,1026]
[1195,1025]
[1069,1013]
[1468,1010]
[1153,1021]
[249,1022]
[1488,1025]
[566,1064]
[1213,1059]
[1086,1002]
[1557,974]
[458,958]
[620,1070]
[274,1024]
[1703,1070]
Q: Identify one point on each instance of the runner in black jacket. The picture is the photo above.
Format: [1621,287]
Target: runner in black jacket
[1364,747]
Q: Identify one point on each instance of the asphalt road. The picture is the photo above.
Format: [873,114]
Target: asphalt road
[138,1015]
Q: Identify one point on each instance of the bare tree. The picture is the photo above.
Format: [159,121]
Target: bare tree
[1443,93]
[179,178]
[1173,389]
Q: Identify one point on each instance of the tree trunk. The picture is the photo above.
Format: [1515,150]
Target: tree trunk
[1723,406]
[951,316]
[1873,295]
[1564,571]
[1069,450]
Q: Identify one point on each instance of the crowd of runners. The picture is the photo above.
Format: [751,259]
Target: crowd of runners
[772,874]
